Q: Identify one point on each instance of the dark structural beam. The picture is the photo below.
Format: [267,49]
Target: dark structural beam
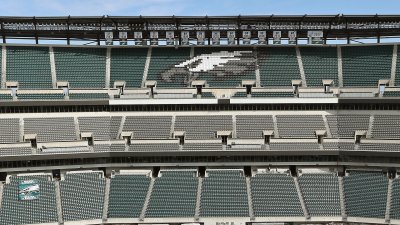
[93,28]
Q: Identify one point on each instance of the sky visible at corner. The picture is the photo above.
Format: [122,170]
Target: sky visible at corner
[195,7]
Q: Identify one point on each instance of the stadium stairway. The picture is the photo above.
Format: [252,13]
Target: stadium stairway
[106,199]
[342,198]
[147,200]
[1,194]
[389,200]
[58,202]
[198,197]
[301,197]
[250,198]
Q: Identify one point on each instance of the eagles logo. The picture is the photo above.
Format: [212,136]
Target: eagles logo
[220,64]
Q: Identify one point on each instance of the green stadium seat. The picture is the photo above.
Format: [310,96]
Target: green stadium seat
[127,64]
[240,95]
[37,211]
[366,65]
[6,97]
[162,67]
[275,195]
[32,96]
[321,194]
[82,202]
[320,63]
[30,66]
[224,194]
[280,94]
[358,187]
[395,210]
[278,66]
[81,67]
[78,96]
[127,195]
[391,93]
[232,72]
[174,195]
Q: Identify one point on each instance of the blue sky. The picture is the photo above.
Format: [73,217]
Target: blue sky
[194,7]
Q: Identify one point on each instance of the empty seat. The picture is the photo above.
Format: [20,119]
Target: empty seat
[115,147]
[127,64]
[81,67]
[224,194]
[240,95]
[82,196]
[294,146]
[63,150]
[280,94]
[252,126]
[103,128]
[341,146]
[88,96]
[15,151]
[380,147]
[30,66]
[174,195]
[395,210]
[222,66]
[207,95]
[397,80]
[319,64]
[391,93]
[156,147]
[6,97]
[203,127]
[148,127]
[127,195]
[32,96]
[202,147]
[162,67]
[51,129]
[344,126]
[358,189]
[386,127]
[321,194]
[366,65]
[299,126]
[275,195]
[32,211]
[9,130]
[278,66]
